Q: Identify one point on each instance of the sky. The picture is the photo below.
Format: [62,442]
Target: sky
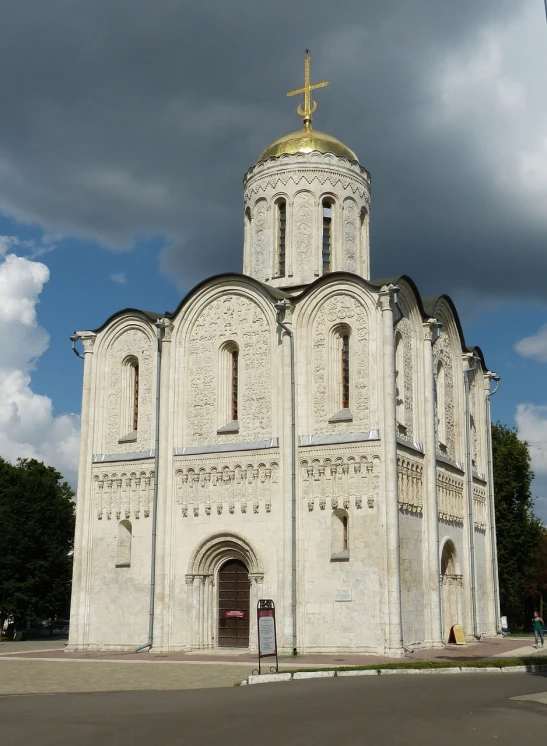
[127,126]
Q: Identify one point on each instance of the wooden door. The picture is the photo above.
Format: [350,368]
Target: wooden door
[233,596]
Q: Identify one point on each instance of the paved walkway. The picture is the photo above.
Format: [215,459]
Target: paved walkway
[31,667]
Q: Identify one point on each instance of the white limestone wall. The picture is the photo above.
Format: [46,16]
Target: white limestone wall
[339,598]
[227,313]
[484,593]
[119,596]
[128,336]
[331,308]
[303,181]
[412,581]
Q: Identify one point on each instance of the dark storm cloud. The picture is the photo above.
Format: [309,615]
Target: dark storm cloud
[123,119]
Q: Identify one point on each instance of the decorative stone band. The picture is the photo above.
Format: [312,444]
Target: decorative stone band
[325,440]
[340,482]
[103,458]
[221,486]
[123,494]
[257,445]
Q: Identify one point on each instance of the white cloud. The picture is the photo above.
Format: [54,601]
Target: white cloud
[28,426]
[119,277]
[532,425]
[534,346]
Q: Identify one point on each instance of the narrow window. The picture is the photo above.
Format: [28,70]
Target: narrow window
[327,237]
[235,360]
[400,378]
[123,551]
[135,373]
[228,388]
[281,235]
[339,535]
[441,404]
[345,371]
[129,399]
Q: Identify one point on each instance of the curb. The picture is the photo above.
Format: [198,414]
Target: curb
[300,675]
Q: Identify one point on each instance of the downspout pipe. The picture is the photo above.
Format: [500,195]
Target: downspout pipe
[469,474]
[491,502]
[281,307]
[160,328]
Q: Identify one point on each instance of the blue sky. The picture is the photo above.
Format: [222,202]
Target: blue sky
[126,130]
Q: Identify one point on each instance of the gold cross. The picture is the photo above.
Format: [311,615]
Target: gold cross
[309,106]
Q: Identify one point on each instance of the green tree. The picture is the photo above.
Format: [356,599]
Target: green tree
[519,532]
[36,539]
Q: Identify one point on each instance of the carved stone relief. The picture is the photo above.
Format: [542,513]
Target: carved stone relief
[479,507]
[442,351]
[450,496]
[337,309]
[410,484]
[340,482]
[238,318]
[136,343]
[124,493]
[405,328]
[227,488]
[259,240]
[303,216]
[351,219]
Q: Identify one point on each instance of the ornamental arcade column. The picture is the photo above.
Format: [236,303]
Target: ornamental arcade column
[394,628]
[83,535]
[432,569]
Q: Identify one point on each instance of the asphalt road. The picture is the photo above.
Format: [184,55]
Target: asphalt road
[460,710]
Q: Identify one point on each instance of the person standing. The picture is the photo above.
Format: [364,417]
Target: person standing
[537,623]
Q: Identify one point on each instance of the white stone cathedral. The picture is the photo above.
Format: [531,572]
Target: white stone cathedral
[299,432]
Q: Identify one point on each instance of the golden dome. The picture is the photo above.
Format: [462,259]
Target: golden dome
[305,141]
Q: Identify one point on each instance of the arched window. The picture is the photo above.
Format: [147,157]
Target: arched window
[345,371]
[123,551]
[327,236]
[339,373]
[441,403]
[228,388]
[235,392]
[339,535]
[400,378]
[129,400]
[281,237]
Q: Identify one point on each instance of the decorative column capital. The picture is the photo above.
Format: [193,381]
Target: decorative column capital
[385,297]
[88,341]
[167,329]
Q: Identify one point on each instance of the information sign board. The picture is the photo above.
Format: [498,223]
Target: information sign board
[267,636]
[234,614]
[458,635]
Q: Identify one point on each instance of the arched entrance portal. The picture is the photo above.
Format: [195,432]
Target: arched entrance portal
[233,605]
[224,574]
[451,588]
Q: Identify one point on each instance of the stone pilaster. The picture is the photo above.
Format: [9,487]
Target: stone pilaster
[166,521]
[432,570]
[392,612]
[81,575]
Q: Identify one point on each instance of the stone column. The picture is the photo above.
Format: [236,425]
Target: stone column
[432,570]
[189,620]
[393,616]
[166,520]
[84,505]
[491,542]
[285,452]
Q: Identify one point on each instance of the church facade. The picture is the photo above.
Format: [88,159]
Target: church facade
[299,432]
